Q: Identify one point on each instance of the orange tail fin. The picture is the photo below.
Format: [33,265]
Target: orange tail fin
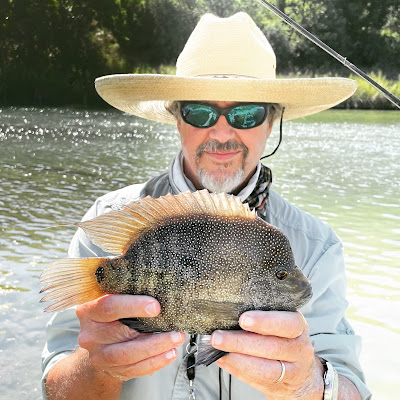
[71,281]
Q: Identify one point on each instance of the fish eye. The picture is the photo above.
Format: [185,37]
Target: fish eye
[281,273]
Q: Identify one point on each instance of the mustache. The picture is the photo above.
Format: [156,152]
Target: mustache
[215,146]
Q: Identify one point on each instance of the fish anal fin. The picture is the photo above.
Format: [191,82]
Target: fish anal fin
[207,354]
[71,281]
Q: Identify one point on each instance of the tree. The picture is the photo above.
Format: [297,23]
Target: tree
[52,50]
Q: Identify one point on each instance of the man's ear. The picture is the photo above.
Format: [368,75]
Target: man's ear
[178,125]
[269,129]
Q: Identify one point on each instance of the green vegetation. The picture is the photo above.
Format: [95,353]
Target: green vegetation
[52,50]
[367,96]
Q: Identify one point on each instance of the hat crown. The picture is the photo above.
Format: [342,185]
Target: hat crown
[218,48]
[233,46]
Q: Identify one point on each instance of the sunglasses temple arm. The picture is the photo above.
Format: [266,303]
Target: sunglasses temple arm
[280,137]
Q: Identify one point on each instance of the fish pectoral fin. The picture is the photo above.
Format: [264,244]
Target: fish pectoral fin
[138,325]
[225,310]
[207,354]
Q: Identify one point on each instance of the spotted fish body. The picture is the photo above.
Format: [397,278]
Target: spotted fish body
[205,257]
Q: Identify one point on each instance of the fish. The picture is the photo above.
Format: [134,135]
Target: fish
[206,257]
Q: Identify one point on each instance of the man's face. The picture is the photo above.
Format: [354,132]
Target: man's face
[222,158]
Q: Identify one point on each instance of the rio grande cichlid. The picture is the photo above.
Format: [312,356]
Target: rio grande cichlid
[205,257]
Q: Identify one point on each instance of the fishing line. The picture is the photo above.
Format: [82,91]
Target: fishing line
[390,96]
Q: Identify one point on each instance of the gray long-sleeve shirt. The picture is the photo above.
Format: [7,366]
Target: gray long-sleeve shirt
[318,252]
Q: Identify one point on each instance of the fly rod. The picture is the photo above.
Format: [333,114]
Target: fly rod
[390,96]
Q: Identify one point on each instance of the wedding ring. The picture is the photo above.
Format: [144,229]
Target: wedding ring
[282,373]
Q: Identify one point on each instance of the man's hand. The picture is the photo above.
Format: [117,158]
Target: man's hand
[111,353]
[118,350]
[269,337]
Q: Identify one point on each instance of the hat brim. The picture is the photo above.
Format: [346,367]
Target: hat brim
[148,95]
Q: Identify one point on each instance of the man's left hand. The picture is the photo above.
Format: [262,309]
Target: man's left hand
[254,354]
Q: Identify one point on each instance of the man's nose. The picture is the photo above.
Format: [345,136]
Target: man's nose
[222,131]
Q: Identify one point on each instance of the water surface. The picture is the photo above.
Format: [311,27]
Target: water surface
[341,166]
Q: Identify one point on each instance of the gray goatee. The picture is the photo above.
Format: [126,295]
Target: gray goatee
[221,182]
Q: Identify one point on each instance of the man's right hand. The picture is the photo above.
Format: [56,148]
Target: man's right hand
[117,350]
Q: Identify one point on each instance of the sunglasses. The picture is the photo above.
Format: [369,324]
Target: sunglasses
[243,116]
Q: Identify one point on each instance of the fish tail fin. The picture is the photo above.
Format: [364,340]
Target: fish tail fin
[207,354]
[71,281]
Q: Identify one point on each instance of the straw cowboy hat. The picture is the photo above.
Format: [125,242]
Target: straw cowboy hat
[224,59]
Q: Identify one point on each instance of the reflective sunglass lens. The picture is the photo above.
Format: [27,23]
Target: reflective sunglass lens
[247,116]
[199,115]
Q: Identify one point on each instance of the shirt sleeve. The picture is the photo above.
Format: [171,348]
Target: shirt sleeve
[62,339]
[330,333]
[62,330]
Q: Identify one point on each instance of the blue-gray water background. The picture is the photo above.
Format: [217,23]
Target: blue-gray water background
[342,166]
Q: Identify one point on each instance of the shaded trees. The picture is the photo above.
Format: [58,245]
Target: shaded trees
[52,50]
[48,52]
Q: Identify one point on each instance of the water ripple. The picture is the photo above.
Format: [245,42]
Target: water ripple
[55,162]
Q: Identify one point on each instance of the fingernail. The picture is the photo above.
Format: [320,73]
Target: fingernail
[176,337]
[216,338]
[151,309]
[170,354]
[246,321]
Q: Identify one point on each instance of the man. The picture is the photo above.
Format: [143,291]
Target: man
[224,100]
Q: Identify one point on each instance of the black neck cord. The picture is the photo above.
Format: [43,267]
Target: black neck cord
[280,137]
[190,370]
[220,385]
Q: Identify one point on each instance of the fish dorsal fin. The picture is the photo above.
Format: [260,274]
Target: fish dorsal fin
[115,231]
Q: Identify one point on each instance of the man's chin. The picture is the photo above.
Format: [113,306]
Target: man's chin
[221,182]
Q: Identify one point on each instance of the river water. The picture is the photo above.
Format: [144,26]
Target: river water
[342,166]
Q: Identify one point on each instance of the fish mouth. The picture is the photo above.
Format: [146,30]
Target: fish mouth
[306,294]
[305,291]
[301,288]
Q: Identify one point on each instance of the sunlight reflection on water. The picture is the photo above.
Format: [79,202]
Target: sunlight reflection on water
[55,162]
